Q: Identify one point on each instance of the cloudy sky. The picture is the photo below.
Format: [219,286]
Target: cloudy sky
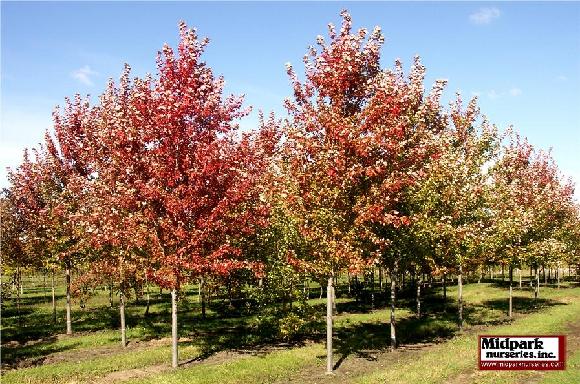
[521,59]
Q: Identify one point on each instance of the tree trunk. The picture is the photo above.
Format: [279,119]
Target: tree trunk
[511,272]
[393,322]
[537,290]
[202,291]
[68,319]
[558,278]
[373,289]
[349,281]
[174,357]
[520,275]
[460,296]
[545,276]
[122,313]
[381,279]
[334,311]
[419,297]
[44,286]
[329,300]
[502,272]
[148,296]
[18,294]
[111,294]
[444,289]
[53,301]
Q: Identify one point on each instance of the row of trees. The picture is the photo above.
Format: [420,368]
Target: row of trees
[156,183]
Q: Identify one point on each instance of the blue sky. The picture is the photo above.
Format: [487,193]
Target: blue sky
[522,59]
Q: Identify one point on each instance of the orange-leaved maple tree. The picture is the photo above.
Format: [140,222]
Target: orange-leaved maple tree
[356,137]
[191,180]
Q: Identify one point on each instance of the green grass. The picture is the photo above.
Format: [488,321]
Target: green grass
[357,328]
[89,369]
[449,359]
[568,376]
[255,369]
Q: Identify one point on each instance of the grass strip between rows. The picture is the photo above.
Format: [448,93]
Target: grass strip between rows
[460,354]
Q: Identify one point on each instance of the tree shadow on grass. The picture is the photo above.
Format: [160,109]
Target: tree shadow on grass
[521,304]
[439,323]
[33,353]
[365,339]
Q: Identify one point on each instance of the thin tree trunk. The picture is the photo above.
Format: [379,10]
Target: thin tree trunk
[419,297]
[148,296]
[111,294]
[381,279]
[44,286]
[444,289]
[53,300]
[18,294]
[545,276]
[68,318]
[373,288]
[202,290]
[393,321]
[558,277]
[537,290]
[329,300]
[520,275]
[460,297]
[511,272]
[174,357]
[122,313]
[334,311]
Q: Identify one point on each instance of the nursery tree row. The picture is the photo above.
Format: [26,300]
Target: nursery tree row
[155,183]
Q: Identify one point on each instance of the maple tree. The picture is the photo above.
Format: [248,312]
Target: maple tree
[449,207]
[41,192]
[357,136]
[530,206]
[187,178]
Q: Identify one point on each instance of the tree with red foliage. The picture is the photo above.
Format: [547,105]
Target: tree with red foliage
[45,192]
[357,137]
[531,206]
[179,174]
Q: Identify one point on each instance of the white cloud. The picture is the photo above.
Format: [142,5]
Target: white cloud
[83,75]
[515,92]
[484,16]
[493,94]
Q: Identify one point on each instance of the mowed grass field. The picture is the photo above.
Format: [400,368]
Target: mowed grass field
[236,348]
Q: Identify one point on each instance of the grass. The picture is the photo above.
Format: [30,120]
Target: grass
[255,369]
[89,369]
[95,352]
[449,359]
